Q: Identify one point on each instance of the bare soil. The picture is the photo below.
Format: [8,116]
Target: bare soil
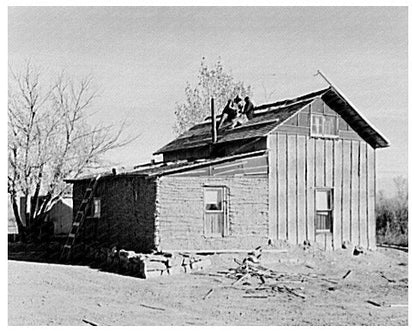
[52,294]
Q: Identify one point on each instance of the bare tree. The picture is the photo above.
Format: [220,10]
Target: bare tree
[50,139]
[212,82]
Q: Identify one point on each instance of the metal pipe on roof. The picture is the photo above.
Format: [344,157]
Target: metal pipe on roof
[213,122]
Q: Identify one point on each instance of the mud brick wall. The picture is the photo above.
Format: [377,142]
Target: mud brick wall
[180,212]
[127,214]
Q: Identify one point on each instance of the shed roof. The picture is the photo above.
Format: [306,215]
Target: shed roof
[166,168]
[269,116]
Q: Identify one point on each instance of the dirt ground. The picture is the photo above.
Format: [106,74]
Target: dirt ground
[51,294]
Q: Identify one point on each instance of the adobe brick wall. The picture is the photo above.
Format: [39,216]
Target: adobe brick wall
[179,212]
[127,213]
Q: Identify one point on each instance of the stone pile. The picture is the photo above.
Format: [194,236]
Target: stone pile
[146,265]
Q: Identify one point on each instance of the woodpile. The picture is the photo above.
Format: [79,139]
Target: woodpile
[261,282]
[146,265]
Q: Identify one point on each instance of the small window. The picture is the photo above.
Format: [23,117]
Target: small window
[317,125]
[323,208]
[215,216]
[324,125]
[95,208]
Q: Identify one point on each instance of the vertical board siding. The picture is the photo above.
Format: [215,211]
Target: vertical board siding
[363,195]
[281,186]
[354,193]
[291,189]
[310,188]
[272,148]
[305,163]
[346,190]
[338,182]
[371,159]
[319,162]
[301,195]
[329,144]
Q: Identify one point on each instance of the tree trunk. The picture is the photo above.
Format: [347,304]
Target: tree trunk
[20,227]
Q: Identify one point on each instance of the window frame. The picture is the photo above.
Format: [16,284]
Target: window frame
[330,210]
[92,213]
[224,211]
[323,116]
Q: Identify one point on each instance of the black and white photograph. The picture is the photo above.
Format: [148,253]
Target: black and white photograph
[218,165]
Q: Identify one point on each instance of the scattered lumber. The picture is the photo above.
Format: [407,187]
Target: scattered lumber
[374,303]
[388,279]
[90,322]
[151,307]
[208,294]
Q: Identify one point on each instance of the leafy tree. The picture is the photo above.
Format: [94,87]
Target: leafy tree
[213,82]
[49,139]
[392,214]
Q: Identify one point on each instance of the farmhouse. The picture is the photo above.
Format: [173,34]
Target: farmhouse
[301,169]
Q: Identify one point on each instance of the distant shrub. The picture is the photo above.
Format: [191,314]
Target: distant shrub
[392,215]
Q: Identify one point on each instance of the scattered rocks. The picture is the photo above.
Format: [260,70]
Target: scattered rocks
[145,265]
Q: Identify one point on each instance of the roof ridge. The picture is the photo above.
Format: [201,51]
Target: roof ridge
[294,100]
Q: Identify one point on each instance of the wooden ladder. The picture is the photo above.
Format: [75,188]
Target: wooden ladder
[79,219]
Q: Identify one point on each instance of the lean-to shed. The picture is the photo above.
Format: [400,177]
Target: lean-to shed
[301,169]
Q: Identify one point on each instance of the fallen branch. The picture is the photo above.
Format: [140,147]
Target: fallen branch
[346,274]
[240,279]
[374,303]
[208,294]
[90,322]
[150,307]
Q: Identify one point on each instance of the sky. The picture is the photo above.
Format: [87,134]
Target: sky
[142,57]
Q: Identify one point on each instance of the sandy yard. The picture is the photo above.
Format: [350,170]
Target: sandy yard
[51,294]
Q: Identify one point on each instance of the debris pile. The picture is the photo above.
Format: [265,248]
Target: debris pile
[146,265]
[261,282]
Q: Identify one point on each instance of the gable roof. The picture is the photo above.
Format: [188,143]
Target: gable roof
[166,168]
[267,117]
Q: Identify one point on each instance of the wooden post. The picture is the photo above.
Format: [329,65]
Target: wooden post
[213,122]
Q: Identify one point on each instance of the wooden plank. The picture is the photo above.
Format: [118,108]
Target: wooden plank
[281,186]
[346,191]
[337,171]
[371,197]
[329,145]
[363,195]
[291,189]
[319,163]
[310,188]
[272,150]
[354,193]
[301,199]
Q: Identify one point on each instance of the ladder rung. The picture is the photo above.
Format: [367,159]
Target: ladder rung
[88,189]
[76,224]
[71,235]
[80,212]
[67,246]
[85,200]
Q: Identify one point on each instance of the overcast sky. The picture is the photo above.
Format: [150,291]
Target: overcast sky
[141,58]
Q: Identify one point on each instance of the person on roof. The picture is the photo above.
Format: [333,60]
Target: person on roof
[248,110]
[239,103]
[229,113]
[244,114]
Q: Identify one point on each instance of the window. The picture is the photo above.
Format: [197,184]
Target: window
[324,125]
[95,208]
[323,208]
[215,222]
